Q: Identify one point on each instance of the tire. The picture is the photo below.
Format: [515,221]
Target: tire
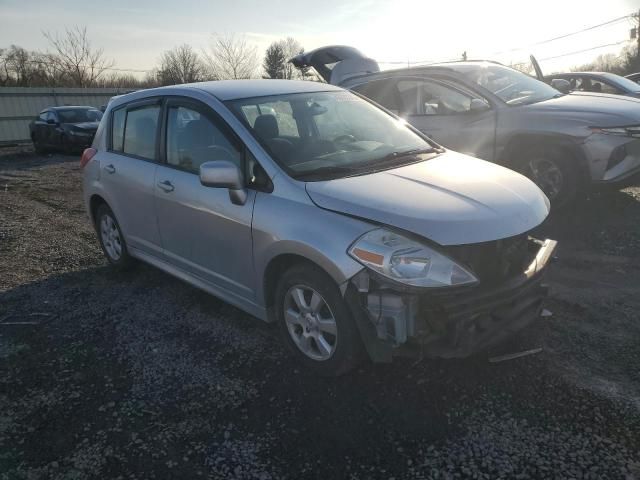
[111,238]
[555,172]
[37,146]
[332,349]
[67,147]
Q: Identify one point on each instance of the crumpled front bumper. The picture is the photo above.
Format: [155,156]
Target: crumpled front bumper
[450,323]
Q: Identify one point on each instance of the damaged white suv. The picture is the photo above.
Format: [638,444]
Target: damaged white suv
[304,204]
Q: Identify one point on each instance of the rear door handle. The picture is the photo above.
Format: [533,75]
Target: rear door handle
[167,186]
[110,169]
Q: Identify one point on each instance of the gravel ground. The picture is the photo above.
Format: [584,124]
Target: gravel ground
[140,376]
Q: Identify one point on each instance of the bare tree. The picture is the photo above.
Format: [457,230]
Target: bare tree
[230,57]
[76,58]
[608,62]
[290,47]
[180,65]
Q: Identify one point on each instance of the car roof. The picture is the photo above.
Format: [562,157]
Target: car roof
[236,89]
[583,74]
[67,107]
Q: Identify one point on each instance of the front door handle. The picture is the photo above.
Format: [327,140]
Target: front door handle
[167,186]
[110,169]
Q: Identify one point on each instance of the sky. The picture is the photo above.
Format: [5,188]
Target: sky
[135,33]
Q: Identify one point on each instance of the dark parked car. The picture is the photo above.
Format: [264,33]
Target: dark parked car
[67,128]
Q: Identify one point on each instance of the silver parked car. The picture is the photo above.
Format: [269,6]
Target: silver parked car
[562,142]
[304,204]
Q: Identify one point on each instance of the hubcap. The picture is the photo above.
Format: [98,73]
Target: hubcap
[546,174]
[111,237]
[310,322]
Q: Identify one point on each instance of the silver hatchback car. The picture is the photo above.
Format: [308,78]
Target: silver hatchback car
[306,205]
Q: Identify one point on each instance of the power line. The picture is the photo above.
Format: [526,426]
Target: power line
[576,52]
[549,40]
[542,42]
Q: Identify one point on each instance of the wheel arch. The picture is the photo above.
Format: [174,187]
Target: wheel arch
[94,202]
[548,140]
[284,260]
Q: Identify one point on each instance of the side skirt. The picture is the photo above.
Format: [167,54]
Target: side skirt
[223,294]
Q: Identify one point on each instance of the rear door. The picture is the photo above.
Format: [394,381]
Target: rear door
[452,115]
[128,171]
[202,231]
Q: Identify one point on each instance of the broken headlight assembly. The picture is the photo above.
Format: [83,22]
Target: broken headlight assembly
[408,261]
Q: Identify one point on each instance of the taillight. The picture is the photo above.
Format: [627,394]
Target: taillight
[87,155]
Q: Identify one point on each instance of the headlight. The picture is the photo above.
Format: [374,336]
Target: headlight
[632,131]
[407,261]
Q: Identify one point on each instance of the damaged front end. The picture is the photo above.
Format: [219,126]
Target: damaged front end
[454,321]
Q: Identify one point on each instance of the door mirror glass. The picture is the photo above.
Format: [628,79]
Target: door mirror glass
[561,85]
[478,105]
[224,174]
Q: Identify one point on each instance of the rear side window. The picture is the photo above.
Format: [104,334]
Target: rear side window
[140,130]
[117,129]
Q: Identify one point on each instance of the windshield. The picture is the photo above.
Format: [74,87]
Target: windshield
[315,136]
[79,115]
[622,82]
[513,87]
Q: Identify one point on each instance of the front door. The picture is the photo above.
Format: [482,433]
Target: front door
[454,117]
[202,231]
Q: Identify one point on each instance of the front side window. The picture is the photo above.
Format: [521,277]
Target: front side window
[193,138]
[511,86]
[43,116]
[140,132]
[337,134]
[431,98]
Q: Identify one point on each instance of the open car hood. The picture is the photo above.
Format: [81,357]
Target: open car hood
[452,199]
[336,63]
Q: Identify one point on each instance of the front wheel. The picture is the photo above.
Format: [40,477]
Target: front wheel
[554,172]
[111,238]
[315,321]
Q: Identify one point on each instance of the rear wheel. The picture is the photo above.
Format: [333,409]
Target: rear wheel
[315,321]
[554,171]
[111,238]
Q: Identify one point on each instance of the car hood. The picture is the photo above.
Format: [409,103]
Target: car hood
[606,109]
[452,199]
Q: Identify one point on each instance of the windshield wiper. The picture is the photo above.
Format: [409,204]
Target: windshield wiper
[406,153]
[325,171]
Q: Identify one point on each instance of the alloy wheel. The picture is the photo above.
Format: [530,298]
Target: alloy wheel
[310,322]
[547,175]
[111,237]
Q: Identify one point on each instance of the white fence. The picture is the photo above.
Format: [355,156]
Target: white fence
[20,105]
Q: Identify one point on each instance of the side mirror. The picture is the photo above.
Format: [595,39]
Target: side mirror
[561,85]
[478,105]
[51,121]
[224,174]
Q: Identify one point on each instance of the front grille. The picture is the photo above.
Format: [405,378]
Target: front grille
[496,261]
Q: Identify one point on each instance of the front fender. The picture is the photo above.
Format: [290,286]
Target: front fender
[305,230]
